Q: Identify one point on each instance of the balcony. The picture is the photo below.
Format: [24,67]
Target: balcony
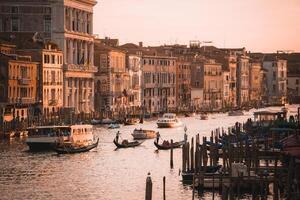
[24,81]
[81,68]
[53,102]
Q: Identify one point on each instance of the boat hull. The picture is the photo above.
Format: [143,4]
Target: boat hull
[130,144]
[41,143]
[175,145]
[68,150]
[168,125]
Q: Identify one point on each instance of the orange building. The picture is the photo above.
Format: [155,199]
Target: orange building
[18,82]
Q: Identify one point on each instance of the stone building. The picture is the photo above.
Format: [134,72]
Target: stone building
[226,101]
[243,87]
[207,75]
[69,24]
[293,88]
[18,82]
[112,80]
[255,82]
[159,83]
[276,69]
[183,83]
[134,68]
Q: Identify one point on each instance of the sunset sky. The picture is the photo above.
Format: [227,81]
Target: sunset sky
[258,25]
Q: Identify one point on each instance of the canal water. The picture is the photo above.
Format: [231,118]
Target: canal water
[105,173]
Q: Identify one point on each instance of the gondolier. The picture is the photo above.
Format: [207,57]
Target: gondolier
[117,136]
[157,137]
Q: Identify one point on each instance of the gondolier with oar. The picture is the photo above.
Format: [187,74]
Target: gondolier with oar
[117,136]
[157,137]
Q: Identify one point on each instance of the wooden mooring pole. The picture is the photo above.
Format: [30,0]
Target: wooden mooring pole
[171,155]
[164,188]
[148,195]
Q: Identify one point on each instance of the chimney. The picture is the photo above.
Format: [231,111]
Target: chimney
[140,44]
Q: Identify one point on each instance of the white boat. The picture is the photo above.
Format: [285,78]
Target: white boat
[141,134]
[235,113]
[113,126]
[169,120]
[45,137]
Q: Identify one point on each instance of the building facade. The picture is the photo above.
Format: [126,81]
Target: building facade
[159,83]
[18,84]
[293,88]
[134,68]
[226,101]
[255,83]
[243,87]
[112,81]
[213,85]
[183,84]
[69,24]
[276,79]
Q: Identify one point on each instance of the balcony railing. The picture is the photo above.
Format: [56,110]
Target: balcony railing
[83,68]
[53,102]
[24,81]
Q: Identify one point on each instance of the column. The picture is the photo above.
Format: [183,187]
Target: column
[75,46]
[91,54]
[71,61]
[71,19]
[92,95]
[85,52]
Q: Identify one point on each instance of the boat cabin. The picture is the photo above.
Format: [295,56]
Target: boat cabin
[268,115]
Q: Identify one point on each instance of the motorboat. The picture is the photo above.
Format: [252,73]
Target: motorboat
[203,116]
[141,134]
[169,120]
[131,121]
[235,113]
[113,126]
[95,121]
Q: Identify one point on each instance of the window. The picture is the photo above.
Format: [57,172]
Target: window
[52,59]
[47,25]
[297,81]
[14,9]
[14,24]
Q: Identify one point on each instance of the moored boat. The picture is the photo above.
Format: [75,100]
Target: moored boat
[203,116]
[166,145]
[141,134]
[132,121]
[113,126]
[169,120]
[235,113]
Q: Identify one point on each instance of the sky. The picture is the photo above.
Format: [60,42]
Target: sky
[258,25]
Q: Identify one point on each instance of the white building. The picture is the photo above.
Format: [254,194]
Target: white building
[134,67]
[276,71]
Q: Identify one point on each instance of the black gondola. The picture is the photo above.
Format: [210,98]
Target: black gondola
[167,147]
[72,149]
[127,144]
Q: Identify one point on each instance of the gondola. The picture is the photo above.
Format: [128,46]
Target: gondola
[166,147]
[72,149]
[127,144]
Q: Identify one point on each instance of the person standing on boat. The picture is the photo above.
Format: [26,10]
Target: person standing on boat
[157,137]
[117,136]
